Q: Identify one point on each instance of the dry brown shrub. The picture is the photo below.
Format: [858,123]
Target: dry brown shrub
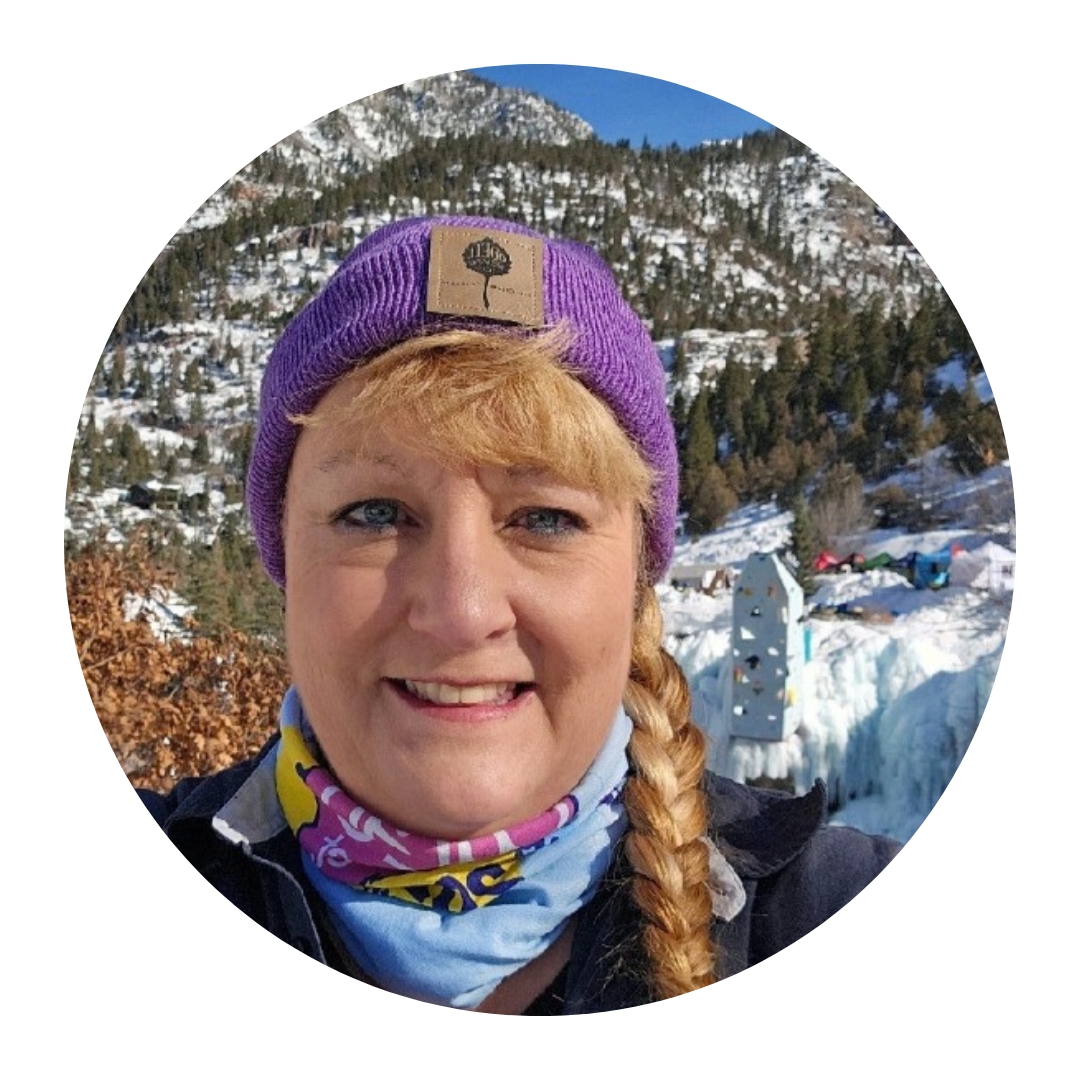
[186,706]
[838,506]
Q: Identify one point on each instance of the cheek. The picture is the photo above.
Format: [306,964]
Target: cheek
[594,622]
[309,665]
[328,615]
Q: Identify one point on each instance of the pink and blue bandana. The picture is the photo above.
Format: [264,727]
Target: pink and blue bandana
[439,920]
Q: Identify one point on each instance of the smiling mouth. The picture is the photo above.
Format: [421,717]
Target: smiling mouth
[439,693]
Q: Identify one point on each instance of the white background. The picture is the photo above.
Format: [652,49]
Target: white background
[119,122]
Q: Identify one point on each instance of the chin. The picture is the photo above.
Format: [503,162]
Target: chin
[470,816]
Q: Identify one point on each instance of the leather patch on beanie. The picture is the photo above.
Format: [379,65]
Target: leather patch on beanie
[487,274]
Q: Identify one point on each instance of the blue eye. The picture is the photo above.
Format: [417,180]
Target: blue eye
[374,515]
[547,521]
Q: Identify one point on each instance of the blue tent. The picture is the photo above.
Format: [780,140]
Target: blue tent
[931,571]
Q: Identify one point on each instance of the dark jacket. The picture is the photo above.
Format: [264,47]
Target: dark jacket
[793,873]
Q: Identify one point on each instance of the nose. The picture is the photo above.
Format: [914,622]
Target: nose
[459,583]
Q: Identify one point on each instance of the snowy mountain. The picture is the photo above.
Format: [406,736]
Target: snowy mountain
[390,122]
[359,135]
[727,250]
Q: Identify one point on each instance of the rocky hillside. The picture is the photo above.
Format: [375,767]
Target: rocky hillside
[360,135]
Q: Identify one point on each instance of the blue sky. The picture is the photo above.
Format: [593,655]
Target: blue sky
[622,105]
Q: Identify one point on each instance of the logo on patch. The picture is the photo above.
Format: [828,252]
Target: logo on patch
[487,258]
[511,266]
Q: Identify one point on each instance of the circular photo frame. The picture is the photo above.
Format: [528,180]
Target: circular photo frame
[855,757]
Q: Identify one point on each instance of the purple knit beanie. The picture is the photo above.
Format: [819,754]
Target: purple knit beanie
[484,273]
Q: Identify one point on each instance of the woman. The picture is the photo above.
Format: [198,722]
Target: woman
[487,791]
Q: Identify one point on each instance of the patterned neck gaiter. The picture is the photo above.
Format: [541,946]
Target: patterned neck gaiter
[446,921]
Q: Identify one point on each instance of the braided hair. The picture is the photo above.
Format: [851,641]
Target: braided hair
[668,814]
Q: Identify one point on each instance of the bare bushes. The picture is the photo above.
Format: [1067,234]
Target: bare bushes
[838,506]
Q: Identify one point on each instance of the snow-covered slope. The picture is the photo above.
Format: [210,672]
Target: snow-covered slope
[361,134]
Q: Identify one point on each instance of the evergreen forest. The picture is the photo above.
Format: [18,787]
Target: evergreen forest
[803,334]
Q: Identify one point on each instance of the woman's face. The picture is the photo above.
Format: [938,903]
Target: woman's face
[459,636]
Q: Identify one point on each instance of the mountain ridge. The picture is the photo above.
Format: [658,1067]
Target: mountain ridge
[751,254]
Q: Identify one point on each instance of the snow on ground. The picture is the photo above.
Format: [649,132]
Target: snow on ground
[165,612]
[891,700]
[952,375]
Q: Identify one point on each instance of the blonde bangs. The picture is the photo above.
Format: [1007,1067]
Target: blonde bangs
[495,399]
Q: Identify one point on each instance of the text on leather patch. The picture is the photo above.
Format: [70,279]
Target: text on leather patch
[487,274]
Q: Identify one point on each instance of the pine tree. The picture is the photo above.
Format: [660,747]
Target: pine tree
[732,391]
[855,398]
[200,452]
[116,382]
[973,431]
[805,545]
[681,366]
[141,381]
[241,447]
[710,502]
[133,459]
[89,436]
[74,479]
[874,346]
[193,379]
[699,451]
[165,402]
[196,412]
[95,477]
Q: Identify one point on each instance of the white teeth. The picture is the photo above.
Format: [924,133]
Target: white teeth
[444,694]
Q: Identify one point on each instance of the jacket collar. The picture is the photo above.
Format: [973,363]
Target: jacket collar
[759,832]
[253,814]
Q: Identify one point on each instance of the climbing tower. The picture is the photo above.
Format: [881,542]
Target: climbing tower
[768,651]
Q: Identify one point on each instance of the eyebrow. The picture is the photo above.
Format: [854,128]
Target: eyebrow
[545,476]
[352,456]
[529,472]
[340,458]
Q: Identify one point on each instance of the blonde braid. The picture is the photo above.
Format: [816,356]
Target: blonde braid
[668,815]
